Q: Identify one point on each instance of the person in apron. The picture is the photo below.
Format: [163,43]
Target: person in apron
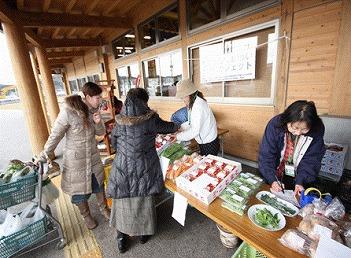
[292,147]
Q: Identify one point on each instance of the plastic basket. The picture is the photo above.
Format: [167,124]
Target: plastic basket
[247,251]
[333,161]
[19,191]
[12,244]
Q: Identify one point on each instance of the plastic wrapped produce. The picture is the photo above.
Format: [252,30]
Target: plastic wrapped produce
[299,242]
[335,210]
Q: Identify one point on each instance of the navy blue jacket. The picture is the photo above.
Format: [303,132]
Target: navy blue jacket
[272,145]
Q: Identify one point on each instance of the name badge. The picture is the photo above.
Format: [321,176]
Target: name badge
[289,170]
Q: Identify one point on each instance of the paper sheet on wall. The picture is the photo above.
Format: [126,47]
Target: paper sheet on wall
[328,247]
[180,204]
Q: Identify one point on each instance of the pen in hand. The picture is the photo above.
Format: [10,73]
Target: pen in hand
[280,184]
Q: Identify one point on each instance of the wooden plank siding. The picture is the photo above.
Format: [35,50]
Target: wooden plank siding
[313,54]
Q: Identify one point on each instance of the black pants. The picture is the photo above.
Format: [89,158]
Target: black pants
[210,148]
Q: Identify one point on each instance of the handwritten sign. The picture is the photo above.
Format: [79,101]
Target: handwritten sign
[235,61]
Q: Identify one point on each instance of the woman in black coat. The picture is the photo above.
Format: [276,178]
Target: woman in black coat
[136,174]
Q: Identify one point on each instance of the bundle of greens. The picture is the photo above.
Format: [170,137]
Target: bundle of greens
[174,152]
[266,219]
[14,170]
[275,203]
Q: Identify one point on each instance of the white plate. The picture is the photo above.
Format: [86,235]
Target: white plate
[253,209]
[288,204]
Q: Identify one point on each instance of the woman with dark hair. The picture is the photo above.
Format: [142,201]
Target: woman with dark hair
[136,174]
[79,121]
[292,147]
[201,123]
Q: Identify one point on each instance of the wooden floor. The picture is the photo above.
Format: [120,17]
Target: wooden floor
[81,241]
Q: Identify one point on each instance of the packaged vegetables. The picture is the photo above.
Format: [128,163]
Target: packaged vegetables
[162,140]
[181,165]
[299,242]
[286,208]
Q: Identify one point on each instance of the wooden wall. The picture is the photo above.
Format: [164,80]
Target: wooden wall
[315,67]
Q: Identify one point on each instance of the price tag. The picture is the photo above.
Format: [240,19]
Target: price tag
[289,170]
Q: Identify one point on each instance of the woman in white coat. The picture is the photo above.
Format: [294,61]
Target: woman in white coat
[201,124]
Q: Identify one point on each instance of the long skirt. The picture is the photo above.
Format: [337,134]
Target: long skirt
[134,216]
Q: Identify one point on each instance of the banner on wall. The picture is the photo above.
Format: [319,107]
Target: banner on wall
[237,61]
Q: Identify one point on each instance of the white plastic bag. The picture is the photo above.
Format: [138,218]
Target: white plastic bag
[31,214]
[12,224]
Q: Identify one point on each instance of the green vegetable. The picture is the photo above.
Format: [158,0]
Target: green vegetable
[168,152]
[266,219]
[274,202]
[233,208]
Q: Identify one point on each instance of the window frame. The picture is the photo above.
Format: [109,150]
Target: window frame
[119,38]
[157,57]
[157,34]
[225,18]
[240,100]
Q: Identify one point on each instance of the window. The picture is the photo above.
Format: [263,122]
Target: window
[93,78]
[238,68]
[204,13]
[58,83]
[81,82]
[162,73]
[128,77]
[124,45]
[160,27]
[73,86]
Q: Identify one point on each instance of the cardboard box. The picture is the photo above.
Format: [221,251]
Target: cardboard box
[196,187]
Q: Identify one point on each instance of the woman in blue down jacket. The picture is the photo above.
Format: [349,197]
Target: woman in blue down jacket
[136,174]
[292,147]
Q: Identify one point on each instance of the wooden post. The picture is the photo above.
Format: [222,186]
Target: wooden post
[41,95]
[47,85]
[27,89]
[66,84]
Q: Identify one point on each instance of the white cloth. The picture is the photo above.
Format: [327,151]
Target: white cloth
[203,126]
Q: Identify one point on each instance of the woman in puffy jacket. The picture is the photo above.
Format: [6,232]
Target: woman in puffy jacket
[136,174]
[79,121]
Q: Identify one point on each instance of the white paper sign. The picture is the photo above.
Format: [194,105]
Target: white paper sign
[180,204]
[272,47]
[328,247]
[235,61]
[164,162]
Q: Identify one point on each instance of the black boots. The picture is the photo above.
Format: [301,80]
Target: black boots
[122,241]
[143,239]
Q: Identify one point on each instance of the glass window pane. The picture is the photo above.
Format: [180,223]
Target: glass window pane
[58,83]
[168,24]
[96,77]
[151,77]
[124,45]
[239,5]
[73,86]
[148,34]
[123,80]
[129,43]
[133,75]
[202,12]
[211,89]
[171,72]
[260,87]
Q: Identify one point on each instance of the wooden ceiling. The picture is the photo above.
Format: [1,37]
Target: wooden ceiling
[69,26]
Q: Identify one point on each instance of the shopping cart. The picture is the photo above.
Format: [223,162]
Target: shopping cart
[37,234]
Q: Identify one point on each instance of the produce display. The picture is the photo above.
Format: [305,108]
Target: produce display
[174,152]
[236,195]
[286,208]
[266,219]
[181,165]
[162,140]
[15,170]
[208,178]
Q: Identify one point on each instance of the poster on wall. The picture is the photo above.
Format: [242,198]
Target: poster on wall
[236,62]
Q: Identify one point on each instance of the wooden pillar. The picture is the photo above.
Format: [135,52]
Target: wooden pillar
[107,67]
[66,84]
[41,95]
[47,85]
[27,89]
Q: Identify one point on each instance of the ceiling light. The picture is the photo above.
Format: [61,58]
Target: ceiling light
[119,47]
[147,37]
[128,51]
[120,55]
[131,48]
[129,36]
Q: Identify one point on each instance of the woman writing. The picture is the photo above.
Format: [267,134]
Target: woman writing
[201,123]
[136,174]
[79,121]
[292,147]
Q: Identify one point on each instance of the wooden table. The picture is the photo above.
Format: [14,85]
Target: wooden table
[221,133]
[241,226]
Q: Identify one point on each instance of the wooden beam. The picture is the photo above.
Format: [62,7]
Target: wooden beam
[91,6]
[20,4]
[65,54]
[111,7]
[70,5]
[33,38]
[35,19]
[55,33]
[46,5]
[56,43]
[60,61]
[7,14]
[56,66]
